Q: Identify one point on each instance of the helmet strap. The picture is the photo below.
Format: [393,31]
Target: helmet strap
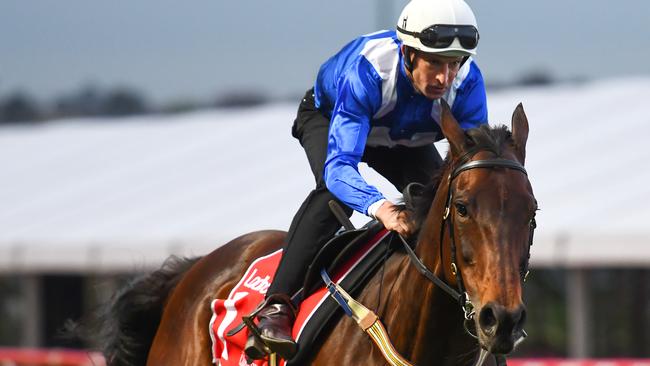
[408,64]
[462,62]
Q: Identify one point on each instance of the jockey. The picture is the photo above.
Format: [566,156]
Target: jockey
[378,101]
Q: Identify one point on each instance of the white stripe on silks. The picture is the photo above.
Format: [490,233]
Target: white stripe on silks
[383,55]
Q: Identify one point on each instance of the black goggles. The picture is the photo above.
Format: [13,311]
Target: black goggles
[443,35]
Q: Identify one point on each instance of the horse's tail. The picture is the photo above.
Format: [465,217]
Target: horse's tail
[125,327]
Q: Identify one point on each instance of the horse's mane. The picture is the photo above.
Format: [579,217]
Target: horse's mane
[484,138]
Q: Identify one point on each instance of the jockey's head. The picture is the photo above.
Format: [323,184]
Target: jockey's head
[437,38]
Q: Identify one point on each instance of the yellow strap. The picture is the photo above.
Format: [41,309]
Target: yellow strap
[370,323]
[273,359]
[380,336]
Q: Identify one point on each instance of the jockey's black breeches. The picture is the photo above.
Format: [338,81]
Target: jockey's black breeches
[314,224]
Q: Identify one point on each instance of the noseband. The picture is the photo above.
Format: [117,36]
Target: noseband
[460,294]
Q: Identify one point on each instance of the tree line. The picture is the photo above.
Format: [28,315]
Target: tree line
[22,108]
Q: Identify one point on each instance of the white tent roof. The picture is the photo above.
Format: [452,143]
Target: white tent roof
[110,194]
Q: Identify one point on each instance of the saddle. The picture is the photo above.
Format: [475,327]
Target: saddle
[352,257]
[334,253]
[333,257]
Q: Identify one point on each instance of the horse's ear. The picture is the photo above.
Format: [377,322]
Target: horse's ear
[520,131]
[452,130]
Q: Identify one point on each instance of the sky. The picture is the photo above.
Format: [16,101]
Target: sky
[200,49]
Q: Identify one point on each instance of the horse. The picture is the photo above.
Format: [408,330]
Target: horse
[474,225]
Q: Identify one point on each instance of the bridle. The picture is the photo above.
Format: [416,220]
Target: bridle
[368,320]
[460,294]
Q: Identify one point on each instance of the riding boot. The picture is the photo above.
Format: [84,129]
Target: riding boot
[275,324]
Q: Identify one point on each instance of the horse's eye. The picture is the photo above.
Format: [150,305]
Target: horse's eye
[461,209]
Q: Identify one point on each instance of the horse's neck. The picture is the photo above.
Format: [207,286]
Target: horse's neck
[424,321]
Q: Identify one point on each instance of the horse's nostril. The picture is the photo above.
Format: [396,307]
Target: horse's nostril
[487,318]
[519,318]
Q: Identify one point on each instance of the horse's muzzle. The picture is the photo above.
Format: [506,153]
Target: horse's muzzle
[500,329]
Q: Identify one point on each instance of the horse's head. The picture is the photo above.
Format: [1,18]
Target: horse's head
[490,219]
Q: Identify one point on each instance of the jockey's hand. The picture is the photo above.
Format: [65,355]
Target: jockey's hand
[393,219]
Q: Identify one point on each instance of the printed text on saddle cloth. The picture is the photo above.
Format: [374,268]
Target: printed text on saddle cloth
[257,283]
[242,300]
[250,291]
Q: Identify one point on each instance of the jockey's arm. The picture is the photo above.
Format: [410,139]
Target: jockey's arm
[358,100]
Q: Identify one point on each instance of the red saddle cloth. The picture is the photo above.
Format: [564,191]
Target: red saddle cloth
[250,291]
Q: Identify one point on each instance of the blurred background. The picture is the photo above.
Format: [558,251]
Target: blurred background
[130,131]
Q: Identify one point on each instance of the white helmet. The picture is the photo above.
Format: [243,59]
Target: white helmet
[446,27]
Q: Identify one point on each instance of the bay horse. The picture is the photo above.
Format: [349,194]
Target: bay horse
[475,222]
